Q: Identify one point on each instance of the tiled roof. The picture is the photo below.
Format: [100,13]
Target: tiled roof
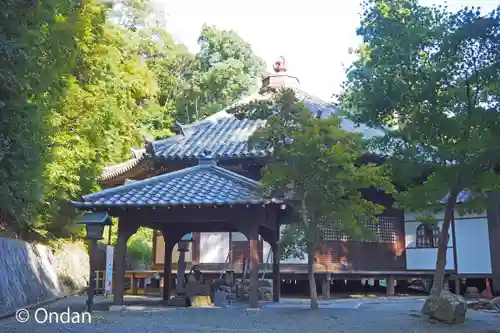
[222,134]
[227,136]
[203,184]
[112,171]
[322,109]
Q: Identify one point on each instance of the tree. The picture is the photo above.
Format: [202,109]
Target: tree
[172,66]
[108,105]
[226,69]
[36,48]
[314,163]
[432,77]
[136,14]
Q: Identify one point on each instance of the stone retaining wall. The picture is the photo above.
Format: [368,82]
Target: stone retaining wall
[31,273]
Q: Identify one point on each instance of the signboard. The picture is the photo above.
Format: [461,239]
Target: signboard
[108,286]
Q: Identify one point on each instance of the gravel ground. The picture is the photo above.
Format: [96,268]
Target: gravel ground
[387,316]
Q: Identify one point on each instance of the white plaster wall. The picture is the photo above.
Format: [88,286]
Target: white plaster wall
[473,246]
[473,251]
[214,247]
[425,259]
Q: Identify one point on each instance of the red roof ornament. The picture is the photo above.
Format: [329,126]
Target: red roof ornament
[280,65]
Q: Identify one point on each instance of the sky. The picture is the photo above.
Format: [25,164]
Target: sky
[314,35]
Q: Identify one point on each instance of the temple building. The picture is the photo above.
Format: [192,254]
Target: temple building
[207,166]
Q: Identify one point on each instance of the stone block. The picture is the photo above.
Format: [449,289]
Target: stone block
[180,301]
[472,290]
[447,307]
[220,299]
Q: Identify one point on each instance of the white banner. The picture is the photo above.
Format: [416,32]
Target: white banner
[108,287]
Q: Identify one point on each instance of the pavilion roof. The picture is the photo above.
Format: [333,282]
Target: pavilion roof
[204,184]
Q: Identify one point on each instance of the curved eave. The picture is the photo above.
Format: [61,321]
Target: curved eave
[123,168]
[90,205]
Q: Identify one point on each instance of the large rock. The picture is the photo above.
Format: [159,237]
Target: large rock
[447,307]
[72,264]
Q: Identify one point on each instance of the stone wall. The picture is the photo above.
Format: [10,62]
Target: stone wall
[31,273]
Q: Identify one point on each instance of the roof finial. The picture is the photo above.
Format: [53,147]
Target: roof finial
[206,153]
[280,65]
[206,157]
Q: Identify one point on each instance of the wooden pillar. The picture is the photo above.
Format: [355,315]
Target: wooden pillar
[125,230]
[390,286]
[275,246]
[253,238]
[167,269]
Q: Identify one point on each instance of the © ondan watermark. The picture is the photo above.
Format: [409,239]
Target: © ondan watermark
[43,316]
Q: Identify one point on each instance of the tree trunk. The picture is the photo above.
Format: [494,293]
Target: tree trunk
[437,287]
[310,274]
[311,255]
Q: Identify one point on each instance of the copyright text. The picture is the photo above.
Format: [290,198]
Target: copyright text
[43,316]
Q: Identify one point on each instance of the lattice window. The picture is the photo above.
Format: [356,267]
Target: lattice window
[383,229]
[427,236]
[333,234]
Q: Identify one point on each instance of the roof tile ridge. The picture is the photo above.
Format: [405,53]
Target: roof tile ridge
[142,182]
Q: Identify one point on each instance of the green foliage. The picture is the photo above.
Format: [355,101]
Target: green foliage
[432,76]
[140,246]
[80,84]
[314,162]
[99,118]
[36,48]
[225,70]
[293,242]
[314,166]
